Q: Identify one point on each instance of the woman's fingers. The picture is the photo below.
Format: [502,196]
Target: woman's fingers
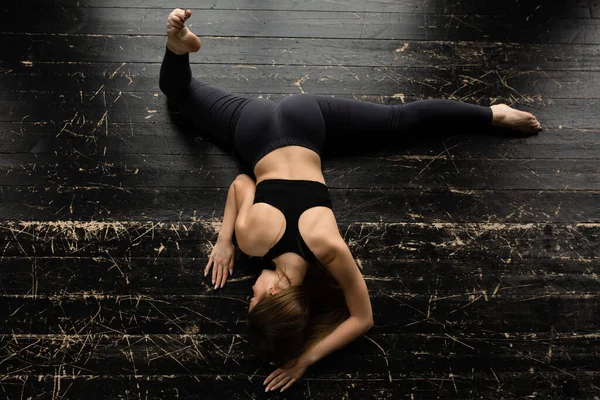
[276,379]
[290,383]
[208,265]
[223,275]
[221,268]
[219,272]
[273,375]
[215,275]
[278,382]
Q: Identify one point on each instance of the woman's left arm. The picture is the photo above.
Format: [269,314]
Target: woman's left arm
[341,264]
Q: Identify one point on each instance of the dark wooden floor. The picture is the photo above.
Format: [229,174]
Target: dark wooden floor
[480,252]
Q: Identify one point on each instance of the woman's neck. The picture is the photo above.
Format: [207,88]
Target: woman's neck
[293,267]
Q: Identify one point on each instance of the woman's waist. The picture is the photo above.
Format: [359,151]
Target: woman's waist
[290,163]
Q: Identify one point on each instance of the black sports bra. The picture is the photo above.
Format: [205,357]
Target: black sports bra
[292,198]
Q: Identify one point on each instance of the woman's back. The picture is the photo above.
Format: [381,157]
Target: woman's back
[290,162]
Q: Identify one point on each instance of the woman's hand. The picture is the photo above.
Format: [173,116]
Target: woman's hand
[285,376]
[221,260]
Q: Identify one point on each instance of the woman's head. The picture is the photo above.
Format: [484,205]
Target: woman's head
[277,323]
[268,284]
[283,320]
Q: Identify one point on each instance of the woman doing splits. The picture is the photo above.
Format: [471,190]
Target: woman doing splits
[315,301]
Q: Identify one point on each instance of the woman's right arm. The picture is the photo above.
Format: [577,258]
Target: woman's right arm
[240,198]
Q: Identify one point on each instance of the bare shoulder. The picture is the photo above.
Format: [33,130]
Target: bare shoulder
[261,229]
[322,236]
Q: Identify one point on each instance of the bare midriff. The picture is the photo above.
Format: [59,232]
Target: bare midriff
[290,162]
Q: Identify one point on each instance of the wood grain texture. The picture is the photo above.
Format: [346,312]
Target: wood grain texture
[211,314]
[479,248]
[483,240]
[485,384]
[575,9]
[29,49]
[124,106]
[424,81]
[54,276]
[179,171]
[89,203]
[177,354]
[163,137]
[319,24]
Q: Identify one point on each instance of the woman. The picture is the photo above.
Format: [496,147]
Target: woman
[286,215]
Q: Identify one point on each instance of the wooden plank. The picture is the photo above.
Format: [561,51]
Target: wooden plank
[74,107]
[118,276]
[184,139]
[486,384]
[103,355]
[149,139]
[17,48]
[105,107]
[132,314]
[454,83]
[219,313]
[526,9]
[178,171]
[410,241]
[46,203]
[334,24]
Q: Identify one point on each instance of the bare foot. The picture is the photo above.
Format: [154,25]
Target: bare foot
[507,117]
[180,40]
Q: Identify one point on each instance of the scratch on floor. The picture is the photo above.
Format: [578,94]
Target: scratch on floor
[299,83]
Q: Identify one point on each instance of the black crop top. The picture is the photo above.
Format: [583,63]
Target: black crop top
[292,198]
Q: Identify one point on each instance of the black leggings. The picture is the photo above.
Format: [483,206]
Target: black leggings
[257,126]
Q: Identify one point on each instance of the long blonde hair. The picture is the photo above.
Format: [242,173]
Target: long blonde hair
[281,327]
